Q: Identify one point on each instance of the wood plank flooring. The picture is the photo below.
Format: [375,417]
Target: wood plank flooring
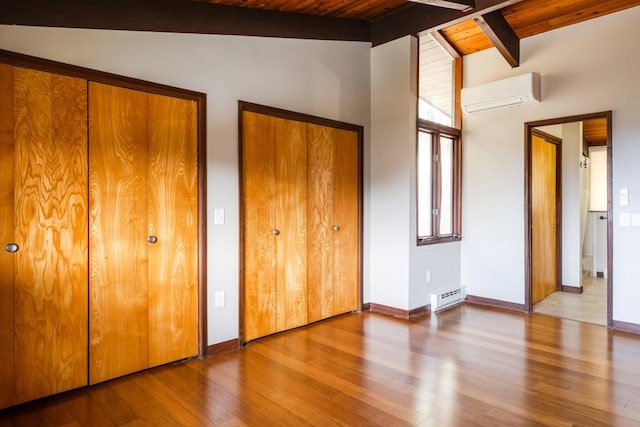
[468,365]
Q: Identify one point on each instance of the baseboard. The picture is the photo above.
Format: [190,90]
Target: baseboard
[632,328]
[223,347]
[571,289]
[396,312]
[472,299]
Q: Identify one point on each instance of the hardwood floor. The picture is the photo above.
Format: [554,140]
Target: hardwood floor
[468,365]
[589,306]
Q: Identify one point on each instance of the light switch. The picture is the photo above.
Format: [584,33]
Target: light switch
[635,220]
[624,197]
[625,219]
[219,299]
[218,216]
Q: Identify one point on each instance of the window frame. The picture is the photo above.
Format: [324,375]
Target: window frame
[437,130]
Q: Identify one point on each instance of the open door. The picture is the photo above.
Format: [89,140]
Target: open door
[544,217]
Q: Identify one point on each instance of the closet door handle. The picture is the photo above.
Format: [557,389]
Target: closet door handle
[152,239]
[12,247]
[336,228]
[276,232]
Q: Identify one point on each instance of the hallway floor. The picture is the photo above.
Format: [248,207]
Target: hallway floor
[590,306]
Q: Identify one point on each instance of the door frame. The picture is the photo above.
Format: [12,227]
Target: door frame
[528,129]
[35,63]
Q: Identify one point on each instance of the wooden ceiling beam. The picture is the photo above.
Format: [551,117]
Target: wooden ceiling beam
[498,30]
[180,16]
[419,18]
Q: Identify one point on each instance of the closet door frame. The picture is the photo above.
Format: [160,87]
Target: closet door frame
[26,61]
[292,115]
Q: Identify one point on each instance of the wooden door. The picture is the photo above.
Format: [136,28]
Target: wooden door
[118,280]
[173,221]
[544,261]
[291,222]
[333,222]
[274,225]
[6,236]
[50,223]
[346,236]
[258,225]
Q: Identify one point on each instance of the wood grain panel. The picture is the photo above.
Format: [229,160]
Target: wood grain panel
[338,8]
[346,241]
[51,230]
[291,220]
[543,213]
[6,236]
[321,220]
[173,219]
[118,281]
[258,223]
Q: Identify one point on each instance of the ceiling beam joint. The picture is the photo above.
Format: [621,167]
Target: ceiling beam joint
[500,33]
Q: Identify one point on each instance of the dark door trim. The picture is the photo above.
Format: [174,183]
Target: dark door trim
[528,130]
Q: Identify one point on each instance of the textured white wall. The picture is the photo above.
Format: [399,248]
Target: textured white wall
[322,78]
[585,68]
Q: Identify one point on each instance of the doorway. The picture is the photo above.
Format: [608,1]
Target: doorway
[568,231]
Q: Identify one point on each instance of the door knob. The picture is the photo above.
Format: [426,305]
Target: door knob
[12,247]
[336,228]
[152,239]
[276,232]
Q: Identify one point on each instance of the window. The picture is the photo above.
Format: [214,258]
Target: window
[439,154]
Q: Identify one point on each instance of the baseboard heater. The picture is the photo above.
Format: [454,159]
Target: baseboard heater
[448,297]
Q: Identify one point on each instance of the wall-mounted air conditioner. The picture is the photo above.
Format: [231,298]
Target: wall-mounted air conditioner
[511,92]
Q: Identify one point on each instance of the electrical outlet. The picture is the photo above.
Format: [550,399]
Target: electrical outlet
[218,216]
[428,276]
[220,300]
[625,219]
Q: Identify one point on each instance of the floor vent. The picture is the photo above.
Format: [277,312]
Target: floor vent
[446,298]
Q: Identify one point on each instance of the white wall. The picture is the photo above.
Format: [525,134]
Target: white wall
[585,68]
[327,79]
[398,265]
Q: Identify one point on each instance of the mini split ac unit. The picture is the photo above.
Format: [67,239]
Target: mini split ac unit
[511,92]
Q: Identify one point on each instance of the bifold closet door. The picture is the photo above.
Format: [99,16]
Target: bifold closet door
[44,209]
[173,222]
[333,222]
[118,191]
[143,164]
[274,182]
[7,272]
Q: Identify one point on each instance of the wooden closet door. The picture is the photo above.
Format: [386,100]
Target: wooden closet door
[320,216]
[173,220]
[258,225]
[333,222]
[50,222]
[6,236]
[274,231]
[346,217]
[118,186]
[291,222]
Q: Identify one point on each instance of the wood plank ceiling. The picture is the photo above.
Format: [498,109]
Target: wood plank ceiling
[526,18]
[354,9]
[531,17]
